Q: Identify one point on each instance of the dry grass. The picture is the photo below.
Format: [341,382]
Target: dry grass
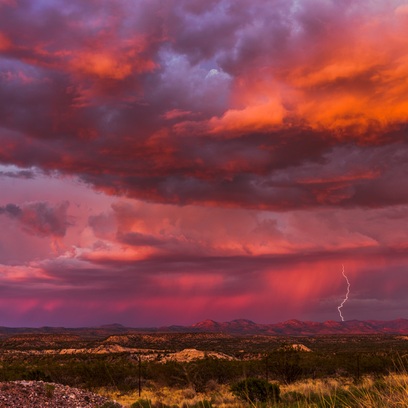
[220,397]
[385,392]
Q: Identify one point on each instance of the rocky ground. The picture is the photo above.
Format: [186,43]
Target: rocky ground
[38,394]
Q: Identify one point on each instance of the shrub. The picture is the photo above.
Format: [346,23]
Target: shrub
[36,375]
[286,365]
[142,403]
[110,404]
[255,390]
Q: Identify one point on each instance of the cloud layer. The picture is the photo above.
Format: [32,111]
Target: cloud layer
[233,149]
[209,102]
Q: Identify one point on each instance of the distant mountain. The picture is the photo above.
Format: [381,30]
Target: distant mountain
[235,327]
[297,327]
[113,326]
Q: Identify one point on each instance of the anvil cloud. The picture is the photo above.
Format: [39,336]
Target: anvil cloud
[168,161]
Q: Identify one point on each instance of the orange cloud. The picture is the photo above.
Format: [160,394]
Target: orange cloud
[110,65]
[262,116]
[106,62]
[354,80]
[102,65]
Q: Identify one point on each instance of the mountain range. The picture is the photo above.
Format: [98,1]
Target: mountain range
[239,327]
[297,327]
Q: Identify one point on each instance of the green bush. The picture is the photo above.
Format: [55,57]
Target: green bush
[142,403]
[255,390]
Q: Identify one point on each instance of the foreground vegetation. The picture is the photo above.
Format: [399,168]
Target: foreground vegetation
[339,371]
[390,391]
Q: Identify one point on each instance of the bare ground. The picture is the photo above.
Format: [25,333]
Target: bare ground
[38,394]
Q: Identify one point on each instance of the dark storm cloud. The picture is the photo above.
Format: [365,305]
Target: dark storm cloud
[20,174]
[40,218]
[212,103]
[11,210]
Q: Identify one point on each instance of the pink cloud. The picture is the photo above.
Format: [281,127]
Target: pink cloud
[311,288]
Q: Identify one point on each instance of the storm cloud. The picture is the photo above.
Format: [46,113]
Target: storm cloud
[231,153]
[207,102]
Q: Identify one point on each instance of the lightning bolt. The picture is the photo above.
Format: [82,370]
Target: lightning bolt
[347,294]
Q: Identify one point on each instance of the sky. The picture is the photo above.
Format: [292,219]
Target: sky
[168,161]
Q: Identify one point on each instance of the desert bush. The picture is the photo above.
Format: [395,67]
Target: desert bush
[37,375]
[110,404]
[286,365]
[142,403]
[255,390]
[170,374]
